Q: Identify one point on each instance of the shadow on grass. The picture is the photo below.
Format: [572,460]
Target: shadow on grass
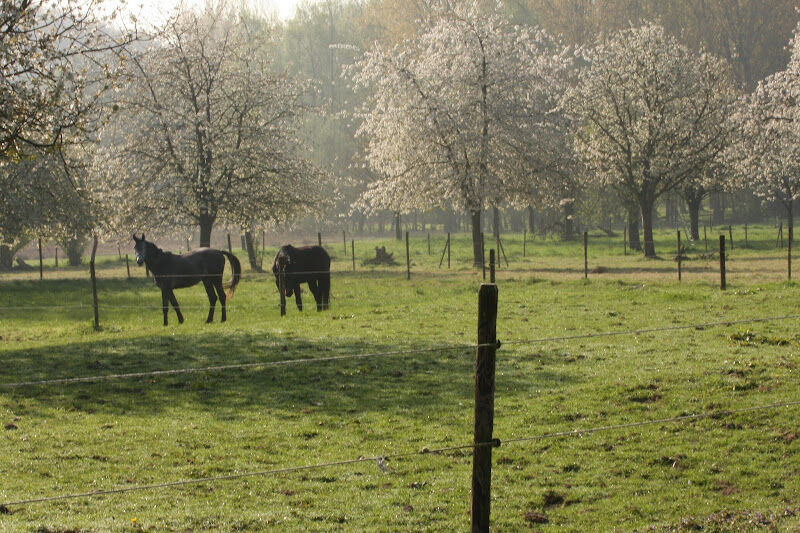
[388,383]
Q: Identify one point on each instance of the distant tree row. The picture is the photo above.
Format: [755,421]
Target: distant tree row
[385,108]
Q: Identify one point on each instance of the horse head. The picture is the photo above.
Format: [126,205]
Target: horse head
[282,264]
[143,249]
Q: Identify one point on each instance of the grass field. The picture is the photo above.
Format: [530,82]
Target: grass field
[728,472]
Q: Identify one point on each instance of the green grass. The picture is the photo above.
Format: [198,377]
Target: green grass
[737,472]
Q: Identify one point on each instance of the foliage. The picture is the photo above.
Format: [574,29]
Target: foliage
[650,114]
[208,130]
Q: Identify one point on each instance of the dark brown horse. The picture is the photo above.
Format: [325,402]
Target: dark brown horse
[172,271]
[307,264]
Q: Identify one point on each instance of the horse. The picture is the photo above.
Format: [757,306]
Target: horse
[307,264]
[172,271]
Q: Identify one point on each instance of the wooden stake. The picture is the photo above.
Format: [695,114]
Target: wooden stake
[353,253]
[730,233]
[722,280]
[491,266]
[679,255]
[128,266]
[585,255]
[56,256]
[41,262]
[319,238]
[408,259]
[94,285]
[484,408]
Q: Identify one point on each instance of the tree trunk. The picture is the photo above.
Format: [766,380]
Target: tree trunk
[398,232]
[531,220]
[74,247]
[477,249]
[694,204]
[252,250]
[633,228]
[646,206]
[569,209]
[206,225]
[6,257]
[495,222]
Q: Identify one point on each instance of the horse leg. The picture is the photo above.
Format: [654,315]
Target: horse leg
[165,303]
[212,300]
[297,297]
[222,296]
[325,290]
[174,302]
[314,287]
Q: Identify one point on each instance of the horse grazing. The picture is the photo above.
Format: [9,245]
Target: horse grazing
[172,271]
[308,264]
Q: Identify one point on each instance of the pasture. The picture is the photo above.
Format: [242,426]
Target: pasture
[393,377]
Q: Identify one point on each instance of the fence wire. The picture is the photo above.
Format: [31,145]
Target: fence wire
[381,460]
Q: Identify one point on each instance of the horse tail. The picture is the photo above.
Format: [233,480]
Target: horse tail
[237,273]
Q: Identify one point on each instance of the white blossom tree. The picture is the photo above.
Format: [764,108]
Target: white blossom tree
[452,110]
[767,158]
[649,115]
[208,130]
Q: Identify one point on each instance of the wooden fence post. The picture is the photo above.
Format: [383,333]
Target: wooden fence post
[730,233]
[230,248]
[353,253]
[319,238]
[484,408]
[722,280]
[56,256]
[41,262]
[408,259]
[491,266]
[625,240]
[789,254]
[679,255]
[128,266]
[585,255]
[94,284]
[448,250]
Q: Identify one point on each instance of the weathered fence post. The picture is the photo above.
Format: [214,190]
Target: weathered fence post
[353,253]
[230,248]
[625,240]
[94,284]
[448,250]
[585,255]
[491,266]
[789,255]
[484,408]
[128,266]
[41,261]
[722,280]
[56,256]
[319,238]
[408,259]
[730,233]
[679,255]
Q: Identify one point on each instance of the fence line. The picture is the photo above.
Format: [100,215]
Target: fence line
[380,460]
[241,366]
[287,362]
[650,330]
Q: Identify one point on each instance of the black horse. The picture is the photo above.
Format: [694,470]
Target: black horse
[172,271]
[308,264]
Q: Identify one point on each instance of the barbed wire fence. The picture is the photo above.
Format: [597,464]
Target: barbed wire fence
[484,440]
